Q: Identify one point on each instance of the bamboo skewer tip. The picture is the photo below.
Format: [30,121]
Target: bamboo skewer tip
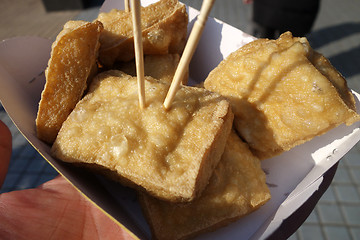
[139,55]
[189,50]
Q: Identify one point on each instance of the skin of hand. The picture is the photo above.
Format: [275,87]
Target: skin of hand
[54,210]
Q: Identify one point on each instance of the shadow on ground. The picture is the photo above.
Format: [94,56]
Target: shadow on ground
[347,62]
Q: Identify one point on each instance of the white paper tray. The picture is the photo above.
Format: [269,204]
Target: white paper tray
[293,176]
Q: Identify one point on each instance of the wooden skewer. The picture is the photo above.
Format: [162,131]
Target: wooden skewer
[189,50]
[127,7]
[138,45]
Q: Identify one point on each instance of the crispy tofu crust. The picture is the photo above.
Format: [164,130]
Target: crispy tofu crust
[237,188]
[170,154]
[72,63]
[164,30]
[283,93]
[161,67]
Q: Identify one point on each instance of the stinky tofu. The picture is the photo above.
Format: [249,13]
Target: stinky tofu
[71,65]
[283,93]
[237,188]
[164,30]
[169,153]
[161,67]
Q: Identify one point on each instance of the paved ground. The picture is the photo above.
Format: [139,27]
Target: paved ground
[336,34]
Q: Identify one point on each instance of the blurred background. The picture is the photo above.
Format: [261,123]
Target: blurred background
[335,33]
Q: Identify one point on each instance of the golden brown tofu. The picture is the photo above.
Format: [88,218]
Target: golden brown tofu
[72,63]
[161,67]
[169,153]
[282,93]
[164,30]
[237,188]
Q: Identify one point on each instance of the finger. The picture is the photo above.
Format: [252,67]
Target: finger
[54,210]
[5,150]
[93,219]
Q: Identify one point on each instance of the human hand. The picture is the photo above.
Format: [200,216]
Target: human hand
[54,210]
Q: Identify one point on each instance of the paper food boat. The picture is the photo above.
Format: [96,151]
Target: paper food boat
[293,176]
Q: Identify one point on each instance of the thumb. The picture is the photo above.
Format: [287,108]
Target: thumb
[5,150]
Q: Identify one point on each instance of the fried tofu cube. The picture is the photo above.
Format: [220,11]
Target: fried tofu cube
[161,67]
[71,65]
[164,30]
[283,93]
[237,188]
[169,153]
